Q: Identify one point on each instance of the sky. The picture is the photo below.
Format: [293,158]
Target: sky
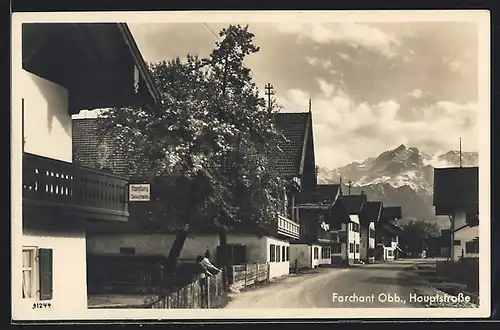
[372,86]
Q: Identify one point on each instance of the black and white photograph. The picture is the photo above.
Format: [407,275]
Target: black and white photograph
[251,165]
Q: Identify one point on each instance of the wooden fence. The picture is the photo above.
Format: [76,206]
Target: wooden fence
[203,293]
[134,274]
[244,275]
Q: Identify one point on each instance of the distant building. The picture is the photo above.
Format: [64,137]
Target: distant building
[321,218]
[456,194]
[351,249]
[387,234]
[370,215]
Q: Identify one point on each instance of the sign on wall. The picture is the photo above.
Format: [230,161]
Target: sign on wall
[139,192]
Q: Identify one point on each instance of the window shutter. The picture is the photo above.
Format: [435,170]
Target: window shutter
[45,273]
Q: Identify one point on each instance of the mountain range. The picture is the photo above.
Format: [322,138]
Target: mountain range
[399,177]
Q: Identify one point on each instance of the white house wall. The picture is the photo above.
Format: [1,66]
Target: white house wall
[47,124]
[354,238]
[301,253]
[47,132]
[372,239]
[464,235]
[69,273]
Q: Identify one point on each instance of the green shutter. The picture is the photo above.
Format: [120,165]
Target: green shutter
[45,273]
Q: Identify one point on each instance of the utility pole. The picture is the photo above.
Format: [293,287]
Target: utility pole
[349,186]
[460,152]
[269,92]
[310,103]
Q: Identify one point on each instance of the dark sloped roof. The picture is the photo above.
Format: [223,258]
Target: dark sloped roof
[456,186]
[294,126]
[371,211]
[392,228]
[92,149]
[326,193]
[391,213]
[354,203]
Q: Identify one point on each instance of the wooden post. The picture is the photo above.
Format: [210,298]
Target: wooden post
[246,274]
[208,292]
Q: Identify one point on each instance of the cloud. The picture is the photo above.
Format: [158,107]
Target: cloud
[351,34]
[315,61]
[346,130]
[416,93]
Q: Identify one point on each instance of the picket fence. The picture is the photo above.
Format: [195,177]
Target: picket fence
[245,275]
[203,293]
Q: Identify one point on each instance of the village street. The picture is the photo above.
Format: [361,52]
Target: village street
[377,282]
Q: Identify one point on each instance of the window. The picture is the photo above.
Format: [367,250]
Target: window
[287,253]
[283,253]
[336,249]
[372,233]
[357,248]
[127,250]
[472,246]
[29,288]
[272,253]
[457,242]
[278,250]
[389,253]
[351,247]
[326,253]
[31,273]
[237,254]
[316,253]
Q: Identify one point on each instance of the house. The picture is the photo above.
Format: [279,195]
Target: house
[456,194]
[296,164]
[351,231]
[387,234]
[320,221]
[65,68]
[370,215]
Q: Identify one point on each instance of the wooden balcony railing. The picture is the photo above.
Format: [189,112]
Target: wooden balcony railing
[59,185]
[287,227]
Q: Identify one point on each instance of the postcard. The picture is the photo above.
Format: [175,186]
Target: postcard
[250,165]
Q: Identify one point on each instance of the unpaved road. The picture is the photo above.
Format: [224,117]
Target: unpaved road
[366,286]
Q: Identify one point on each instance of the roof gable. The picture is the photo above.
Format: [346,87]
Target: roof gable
[391,213]
[371,211]
[295,127]
[93,150]
[326,193]
[354,203]
[456,186]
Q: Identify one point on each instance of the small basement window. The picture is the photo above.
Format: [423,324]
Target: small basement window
[127,250]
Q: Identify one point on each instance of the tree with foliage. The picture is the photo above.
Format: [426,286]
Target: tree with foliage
[416,235]
[206,146]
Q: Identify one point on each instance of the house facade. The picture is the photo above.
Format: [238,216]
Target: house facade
[387,234]
[456,194]
[295,163]
[66,68]
[370,215]
[350,246]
